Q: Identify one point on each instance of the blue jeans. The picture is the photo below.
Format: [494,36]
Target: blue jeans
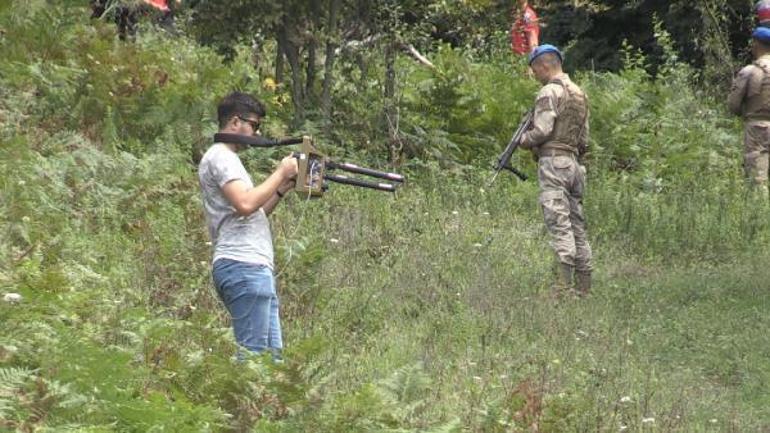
[248,292]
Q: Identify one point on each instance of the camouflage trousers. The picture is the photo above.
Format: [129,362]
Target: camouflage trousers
[756,140]
[562,181]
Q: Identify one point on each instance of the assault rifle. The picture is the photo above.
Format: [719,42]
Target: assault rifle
[504,160]
[314,167]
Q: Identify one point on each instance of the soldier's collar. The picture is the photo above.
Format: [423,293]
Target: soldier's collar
[558,79]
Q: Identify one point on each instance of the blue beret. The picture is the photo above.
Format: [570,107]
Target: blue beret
[762,34]
[546,48]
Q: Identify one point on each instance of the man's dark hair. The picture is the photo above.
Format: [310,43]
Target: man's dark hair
[238,104]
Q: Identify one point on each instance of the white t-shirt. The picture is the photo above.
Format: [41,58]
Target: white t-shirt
[242,238]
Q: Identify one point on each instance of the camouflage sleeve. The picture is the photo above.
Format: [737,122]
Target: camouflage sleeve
[583,139]
[544,117]
[738,90]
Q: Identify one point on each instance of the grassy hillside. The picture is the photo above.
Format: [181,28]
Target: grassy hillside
[429,311]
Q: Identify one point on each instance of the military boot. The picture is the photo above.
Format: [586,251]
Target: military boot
[564,280]
[583,282]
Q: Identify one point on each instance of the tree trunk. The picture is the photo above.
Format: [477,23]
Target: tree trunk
[312,45]
[310,70]
[391,106]
[279,60]
[291,51]
[363,68]
[331,48]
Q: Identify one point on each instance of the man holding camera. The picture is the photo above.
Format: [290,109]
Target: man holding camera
[237,215]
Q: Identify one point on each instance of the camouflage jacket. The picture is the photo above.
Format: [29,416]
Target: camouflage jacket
[750,93]
[560,121]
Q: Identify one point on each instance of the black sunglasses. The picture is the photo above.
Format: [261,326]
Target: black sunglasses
[255,125]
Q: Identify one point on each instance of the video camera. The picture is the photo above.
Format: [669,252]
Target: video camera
[314,167]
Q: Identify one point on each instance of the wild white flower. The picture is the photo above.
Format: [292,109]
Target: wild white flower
[477,245]
[334,241]
[625,399]
[21,182]
[623,427]
[556,361]
[713,420]
[629,342]
[477,378]
[485,213]
[454,212]
[649,420]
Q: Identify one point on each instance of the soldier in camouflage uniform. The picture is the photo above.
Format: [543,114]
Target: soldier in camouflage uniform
[750,98]
[558,137]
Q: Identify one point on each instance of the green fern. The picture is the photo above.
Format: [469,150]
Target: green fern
[408,389]
[11,380]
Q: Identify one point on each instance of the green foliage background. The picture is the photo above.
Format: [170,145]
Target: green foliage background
[428,311]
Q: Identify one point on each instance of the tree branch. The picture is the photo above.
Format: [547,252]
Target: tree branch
[416,54]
